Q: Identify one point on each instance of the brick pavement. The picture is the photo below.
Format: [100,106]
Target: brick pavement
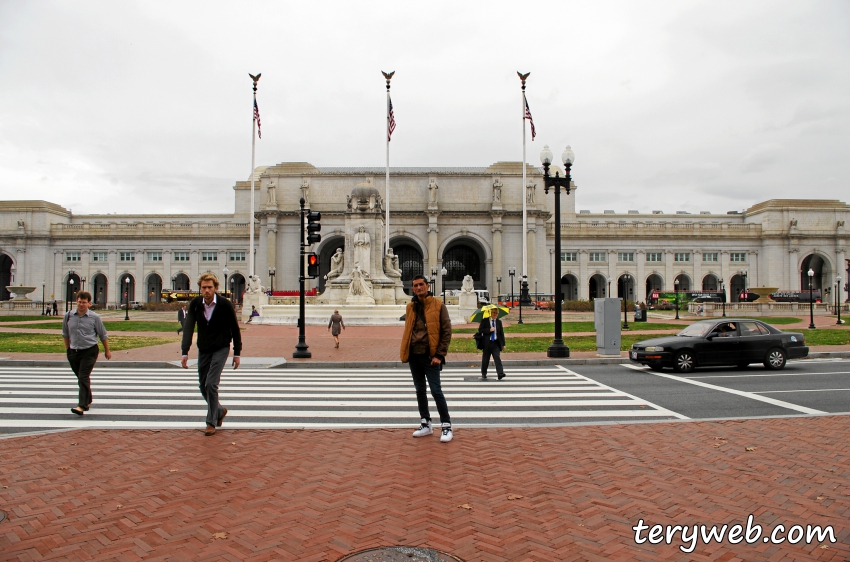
[492,495]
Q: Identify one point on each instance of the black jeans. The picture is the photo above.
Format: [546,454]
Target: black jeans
[491,348]
[82,362]
[421,369]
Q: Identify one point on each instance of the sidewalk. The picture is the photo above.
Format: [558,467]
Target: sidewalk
[492,495]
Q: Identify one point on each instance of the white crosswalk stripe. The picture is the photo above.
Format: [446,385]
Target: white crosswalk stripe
[41,398]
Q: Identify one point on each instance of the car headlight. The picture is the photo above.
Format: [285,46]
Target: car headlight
[655,348]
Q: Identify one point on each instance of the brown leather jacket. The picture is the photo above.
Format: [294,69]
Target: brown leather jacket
[436,321]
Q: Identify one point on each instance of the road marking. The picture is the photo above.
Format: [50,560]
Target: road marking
[806,390]
[768,375]
[750,395]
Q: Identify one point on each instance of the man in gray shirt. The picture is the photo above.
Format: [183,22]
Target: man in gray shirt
[80,329]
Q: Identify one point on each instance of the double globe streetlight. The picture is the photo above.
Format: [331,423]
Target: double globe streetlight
[557,349]
[811,274]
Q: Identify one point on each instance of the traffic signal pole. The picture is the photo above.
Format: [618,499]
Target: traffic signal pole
[301,348]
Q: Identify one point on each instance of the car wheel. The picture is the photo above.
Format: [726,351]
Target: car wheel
[775,359]
[684,362]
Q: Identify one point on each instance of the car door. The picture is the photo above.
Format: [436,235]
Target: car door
[753,343]
[724,347]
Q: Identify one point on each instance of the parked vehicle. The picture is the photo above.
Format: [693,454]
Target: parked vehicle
[137,305]
[727,341]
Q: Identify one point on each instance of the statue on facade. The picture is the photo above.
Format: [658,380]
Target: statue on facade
[497,191]
[432,191]
[337,264]
[793,223]
[271,195]
[468,285]
[529,193]
[21,223]
[362,248]
[305,192]
[360,284]
[254,287]
[391,268]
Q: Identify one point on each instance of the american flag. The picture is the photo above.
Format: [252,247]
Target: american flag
[257,119]
[390,121]
[528,116]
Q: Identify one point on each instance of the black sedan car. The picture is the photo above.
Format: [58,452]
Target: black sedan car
[727,341]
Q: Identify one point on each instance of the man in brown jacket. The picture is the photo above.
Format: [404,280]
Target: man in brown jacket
[424,345]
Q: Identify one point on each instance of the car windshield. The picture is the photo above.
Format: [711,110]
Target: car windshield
[696,330]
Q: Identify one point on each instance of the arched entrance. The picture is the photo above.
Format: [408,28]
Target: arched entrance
[72,287]
[710,283]
[736,285]
[5,276]
[237,287]
[128,288]
[654,283]
[460,259]
[569,287]
[411,263]
[598,287]
[154,288]
[684,283]
[180,282]
[626,287]
[99,288]
[821,269]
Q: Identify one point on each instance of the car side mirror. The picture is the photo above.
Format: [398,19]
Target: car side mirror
[710,337]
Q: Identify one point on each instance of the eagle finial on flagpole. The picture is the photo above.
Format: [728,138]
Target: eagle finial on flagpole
[522,77]
[388,76]
[255,79]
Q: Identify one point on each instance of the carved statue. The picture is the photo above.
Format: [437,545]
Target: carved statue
[362,248]
[468,285]
[254,286]
[497,191]
[391,268]
[840,224]
[348,200]
[529,193]
[272,197]
[337,264]
[305,192]
[432,191]
[793,223]
[360,284]
[21,223]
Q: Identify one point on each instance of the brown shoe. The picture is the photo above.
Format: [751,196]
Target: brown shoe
[221,419]
[210,430]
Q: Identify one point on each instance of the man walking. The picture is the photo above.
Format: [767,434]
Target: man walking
[181,318]
[424,345]
[494,343]
[217,326]
[80,329]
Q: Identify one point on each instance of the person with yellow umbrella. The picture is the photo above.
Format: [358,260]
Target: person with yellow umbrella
[492,337]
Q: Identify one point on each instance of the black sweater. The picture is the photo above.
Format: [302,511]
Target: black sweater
[215,334]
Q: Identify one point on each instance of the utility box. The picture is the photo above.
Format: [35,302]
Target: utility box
[606,319]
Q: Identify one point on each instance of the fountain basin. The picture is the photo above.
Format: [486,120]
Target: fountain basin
[763,293]
[19,292]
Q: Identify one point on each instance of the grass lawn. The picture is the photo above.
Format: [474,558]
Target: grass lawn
[48,343]
[569,327]
[115,326]
[827,337]
[30,318]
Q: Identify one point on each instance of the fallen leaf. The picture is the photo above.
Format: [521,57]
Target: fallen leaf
[73,443]
[515,497]
[233,443]
[227,481]
[823,546]
[64,467]
[220,536]
[465,506]
[120,506]
[821,497]
[527,455]
[172,470]
[752,448]
[721,438]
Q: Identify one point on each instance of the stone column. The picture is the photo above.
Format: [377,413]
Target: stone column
[496,229]
[612,273]
[669,276]
[271,243]
[195,268]
[753,269]
[166,269]
[531,239]
[724,271]
[583,288]
[793,273]
[433,230]
[640,276]
[697,270]
[141,285]
[113,291]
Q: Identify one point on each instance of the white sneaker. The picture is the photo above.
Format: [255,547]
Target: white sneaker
[447,433]
[424,429]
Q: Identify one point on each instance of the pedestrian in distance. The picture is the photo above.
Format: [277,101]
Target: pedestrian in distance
[55,309]
[334,326]
[253,313]
[494,343]
[181,318]
[217,327]
[81,329]
[424,345]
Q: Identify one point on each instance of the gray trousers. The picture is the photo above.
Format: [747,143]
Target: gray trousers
[210,366]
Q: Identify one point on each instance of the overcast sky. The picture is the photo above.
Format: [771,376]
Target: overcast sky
[118,106]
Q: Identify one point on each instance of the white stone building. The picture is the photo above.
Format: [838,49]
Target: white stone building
[468,220]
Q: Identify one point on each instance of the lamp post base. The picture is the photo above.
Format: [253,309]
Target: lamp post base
[558,350]
[301,351]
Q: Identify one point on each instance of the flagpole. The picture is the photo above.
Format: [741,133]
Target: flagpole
[522,77]
[388,77]
[253,157]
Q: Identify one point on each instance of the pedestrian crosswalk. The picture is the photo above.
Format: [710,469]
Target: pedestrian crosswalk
[41,398]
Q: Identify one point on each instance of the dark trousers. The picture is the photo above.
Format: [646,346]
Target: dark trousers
[491,348]
[421,369]
[210,366]
[82,362]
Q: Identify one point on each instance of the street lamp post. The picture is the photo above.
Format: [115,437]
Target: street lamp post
[557,349]
[723,289]
[226,271]
[71,292]
[271,277]
[443,273]
[512,272]
[43,309]
[811,274]
[626,278]
[838,298]
[676,284]
[536,295]
[847,285]
[523,290]
[127,298]
[433,280]
[499,289]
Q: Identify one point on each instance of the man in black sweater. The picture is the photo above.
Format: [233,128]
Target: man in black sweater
[217,326]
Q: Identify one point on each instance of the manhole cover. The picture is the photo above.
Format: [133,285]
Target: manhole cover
[399,554]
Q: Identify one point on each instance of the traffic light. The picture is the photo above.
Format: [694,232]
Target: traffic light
[313,264]
[313,227]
